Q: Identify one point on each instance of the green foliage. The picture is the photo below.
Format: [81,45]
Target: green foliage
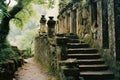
[22,17]
[47,3]
[6,52]
[113,65]
[3,6]
[27,53]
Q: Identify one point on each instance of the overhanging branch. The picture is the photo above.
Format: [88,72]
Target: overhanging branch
[18,19]
[9,3]
[16,9]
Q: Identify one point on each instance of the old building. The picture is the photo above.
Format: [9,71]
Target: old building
[95,21]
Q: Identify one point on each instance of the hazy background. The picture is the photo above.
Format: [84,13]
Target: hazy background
[24,38]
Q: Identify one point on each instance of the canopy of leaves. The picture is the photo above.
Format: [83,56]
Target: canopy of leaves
[26,13]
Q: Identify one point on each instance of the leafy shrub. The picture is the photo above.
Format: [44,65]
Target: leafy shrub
[27,53]
[6,52]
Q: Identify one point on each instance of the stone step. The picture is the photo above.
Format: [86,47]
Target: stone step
[77,45]
[97,75]
[84,56]
[90,61]
[82,50]
[73,40]
[70,71]
[72,36]
[99,67]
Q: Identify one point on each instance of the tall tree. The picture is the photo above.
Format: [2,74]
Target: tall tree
[12,13]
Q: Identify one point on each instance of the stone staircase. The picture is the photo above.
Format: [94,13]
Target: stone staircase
[83,61]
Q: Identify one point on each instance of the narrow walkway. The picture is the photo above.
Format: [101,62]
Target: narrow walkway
[31,71]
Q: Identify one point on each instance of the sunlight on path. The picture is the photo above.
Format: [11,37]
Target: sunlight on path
[31,71]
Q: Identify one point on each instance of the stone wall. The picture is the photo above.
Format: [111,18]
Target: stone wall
[110,48]
[45,53]
[95,22]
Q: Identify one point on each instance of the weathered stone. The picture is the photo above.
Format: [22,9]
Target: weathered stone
[61,40]
[117,28]
[51,26]
[43,28]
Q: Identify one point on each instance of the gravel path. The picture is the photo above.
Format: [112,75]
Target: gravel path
[31,71]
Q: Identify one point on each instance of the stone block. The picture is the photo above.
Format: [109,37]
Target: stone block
[62,41]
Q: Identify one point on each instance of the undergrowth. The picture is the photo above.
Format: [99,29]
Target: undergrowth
[6,52]
[113,64]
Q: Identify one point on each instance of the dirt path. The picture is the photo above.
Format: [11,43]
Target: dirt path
[31,71]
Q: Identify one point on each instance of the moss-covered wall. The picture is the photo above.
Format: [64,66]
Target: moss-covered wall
[45,52]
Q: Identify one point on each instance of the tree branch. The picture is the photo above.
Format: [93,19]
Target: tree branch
[9,3]
[18,19]
[16,9]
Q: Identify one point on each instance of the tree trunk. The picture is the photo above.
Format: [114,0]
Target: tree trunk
[4,26]
[4,29]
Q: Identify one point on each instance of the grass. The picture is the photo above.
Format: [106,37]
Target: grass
[113,64]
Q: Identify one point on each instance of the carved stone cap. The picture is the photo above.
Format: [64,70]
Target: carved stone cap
[51,17]
[43,19]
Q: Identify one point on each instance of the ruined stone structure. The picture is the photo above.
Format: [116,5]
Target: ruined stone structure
[95,21]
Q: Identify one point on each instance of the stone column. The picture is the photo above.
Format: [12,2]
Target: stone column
[64,26]
[70,21]
[73,22]
[57,27]
[99,21]
[61,25]
[111,24]
[66,23]
[77,20]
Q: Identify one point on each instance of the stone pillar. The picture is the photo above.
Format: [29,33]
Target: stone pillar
[70,21]
[66,23]
[43,28]
[64,26]
[73,22]
[51,26]
[111,30]
[77,20]
[57,27]
[61,25]
[99,21]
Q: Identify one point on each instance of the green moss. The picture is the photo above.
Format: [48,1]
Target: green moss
[6,52]
[113,65]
